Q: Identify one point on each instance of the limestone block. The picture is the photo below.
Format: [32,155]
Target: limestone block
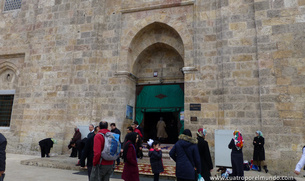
[301,2]
[291,114]
[282,54]
[290,3]
[263,5]
[241,58]
[283,81]
[238,26]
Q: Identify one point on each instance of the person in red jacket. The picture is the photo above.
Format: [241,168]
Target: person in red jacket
[135,129]
[131,170]
[102,168]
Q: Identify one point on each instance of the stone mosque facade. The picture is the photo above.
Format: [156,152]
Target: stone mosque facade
[239,63]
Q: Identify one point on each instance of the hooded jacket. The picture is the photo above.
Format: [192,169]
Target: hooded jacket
[98,147]
[186,155]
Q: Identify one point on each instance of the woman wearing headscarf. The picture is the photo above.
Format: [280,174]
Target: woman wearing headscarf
[237,159]
[205,156]
[186,155]
[259,151]
[131,170]
[77,136]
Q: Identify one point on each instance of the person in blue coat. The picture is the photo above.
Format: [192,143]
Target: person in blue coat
[186,155]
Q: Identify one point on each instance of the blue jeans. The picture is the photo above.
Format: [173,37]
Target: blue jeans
[2,177]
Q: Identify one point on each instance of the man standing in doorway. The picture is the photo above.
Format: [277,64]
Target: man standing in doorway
[3,143]
[101,170]
[114,129]
[161,132]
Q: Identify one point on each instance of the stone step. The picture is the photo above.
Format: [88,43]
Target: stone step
[67,163]
[165,153]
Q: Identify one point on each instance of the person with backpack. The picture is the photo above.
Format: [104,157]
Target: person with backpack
[114,129]
[156,163]
[186,155]
[102,168]
[131,170]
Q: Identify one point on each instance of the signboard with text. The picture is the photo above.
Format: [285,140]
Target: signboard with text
[195,107]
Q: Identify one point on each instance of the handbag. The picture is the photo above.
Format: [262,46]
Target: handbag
[95,173]
[200,178]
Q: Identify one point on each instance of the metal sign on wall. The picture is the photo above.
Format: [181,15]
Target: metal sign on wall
[195,107]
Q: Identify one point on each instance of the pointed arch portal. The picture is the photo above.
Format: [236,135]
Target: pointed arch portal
[157,53]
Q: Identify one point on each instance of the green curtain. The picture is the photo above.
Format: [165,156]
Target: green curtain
[159,98]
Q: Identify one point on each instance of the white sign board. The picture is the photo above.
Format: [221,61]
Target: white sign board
[84,130]
[222,151]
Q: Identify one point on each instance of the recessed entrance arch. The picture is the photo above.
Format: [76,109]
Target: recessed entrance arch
[157,52]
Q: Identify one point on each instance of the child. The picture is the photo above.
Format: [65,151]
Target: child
[155,155]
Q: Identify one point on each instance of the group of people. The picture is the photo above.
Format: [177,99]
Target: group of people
[192,155]
[187,151]
[100,169]
[237,160]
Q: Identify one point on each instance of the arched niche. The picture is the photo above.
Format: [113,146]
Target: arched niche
[154,36]
[162,59]
[8,76]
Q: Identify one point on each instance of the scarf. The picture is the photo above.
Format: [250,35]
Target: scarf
[260,134]
[130,139]
[238,140]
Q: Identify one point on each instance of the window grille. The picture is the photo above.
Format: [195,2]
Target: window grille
[6,106]
[12,5]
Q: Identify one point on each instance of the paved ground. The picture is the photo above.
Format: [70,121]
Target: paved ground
[16,171]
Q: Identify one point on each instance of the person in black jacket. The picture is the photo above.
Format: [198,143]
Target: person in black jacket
[237,159]
[205,156]
[259,151]
[155,155]
[115,130]
[186,155]
[3,144]
[45,146]
[88,152]
[77,136]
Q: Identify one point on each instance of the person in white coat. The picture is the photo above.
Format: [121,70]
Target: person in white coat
[301,163]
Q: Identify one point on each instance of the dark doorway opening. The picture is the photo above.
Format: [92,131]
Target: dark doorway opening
[171,120]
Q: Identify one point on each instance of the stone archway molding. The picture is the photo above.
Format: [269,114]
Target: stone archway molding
[189,70]
[179,29]
[8,65]
[126,74]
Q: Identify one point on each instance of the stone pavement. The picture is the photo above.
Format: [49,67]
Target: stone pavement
[34,168]
[18,172]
